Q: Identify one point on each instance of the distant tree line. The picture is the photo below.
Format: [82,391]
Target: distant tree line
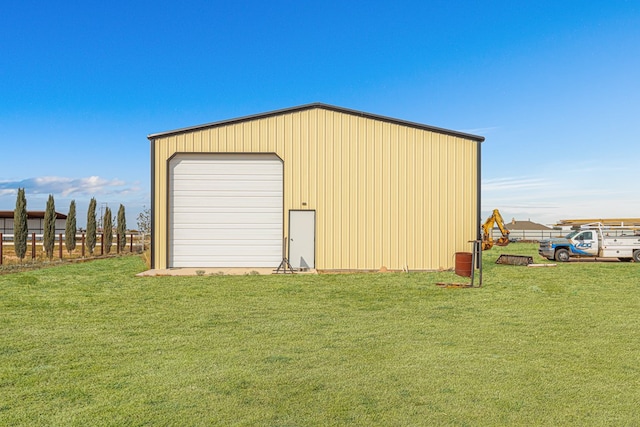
[20,227]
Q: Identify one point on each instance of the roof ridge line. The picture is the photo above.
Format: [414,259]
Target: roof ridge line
[372,116]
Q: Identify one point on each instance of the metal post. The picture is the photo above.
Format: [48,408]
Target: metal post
[60,250]
[117,243]
[476,261]
[101,243]
[1,248]
[479,250]
[82,245]
[131,246]
[473,263]
[33,245]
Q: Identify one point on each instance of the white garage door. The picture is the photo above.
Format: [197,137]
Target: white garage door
[225,210]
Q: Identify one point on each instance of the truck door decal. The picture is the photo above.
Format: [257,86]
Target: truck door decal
[584,245]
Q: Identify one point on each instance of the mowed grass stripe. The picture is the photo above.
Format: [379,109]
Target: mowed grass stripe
[90,344]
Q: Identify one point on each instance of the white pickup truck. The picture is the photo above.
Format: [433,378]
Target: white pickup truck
[596,241]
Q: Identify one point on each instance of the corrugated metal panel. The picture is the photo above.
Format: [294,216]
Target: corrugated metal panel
[385,194]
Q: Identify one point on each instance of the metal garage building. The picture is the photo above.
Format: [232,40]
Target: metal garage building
[347,190]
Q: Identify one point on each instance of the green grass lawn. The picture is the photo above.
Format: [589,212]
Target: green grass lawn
[90,344]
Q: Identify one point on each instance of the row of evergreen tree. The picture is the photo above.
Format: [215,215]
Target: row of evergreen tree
[20,227]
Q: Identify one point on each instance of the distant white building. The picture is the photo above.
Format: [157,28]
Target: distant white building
[35,222]
[529,230]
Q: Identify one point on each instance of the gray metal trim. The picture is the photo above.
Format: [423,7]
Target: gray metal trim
[479,216]
[479,193]
[477,138]
[153,203]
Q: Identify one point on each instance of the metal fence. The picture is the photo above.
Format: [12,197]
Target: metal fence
[537,235]
[531,235]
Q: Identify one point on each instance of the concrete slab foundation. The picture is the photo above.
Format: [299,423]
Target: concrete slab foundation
[209,271]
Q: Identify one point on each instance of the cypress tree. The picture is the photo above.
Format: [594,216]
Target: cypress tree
[20,225]
[107,230]
[91,226]
[122,228]
[70,228]
[49,239]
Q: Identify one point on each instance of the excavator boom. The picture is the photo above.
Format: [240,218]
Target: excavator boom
[487,227]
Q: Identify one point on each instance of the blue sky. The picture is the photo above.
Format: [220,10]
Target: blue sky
[554,86]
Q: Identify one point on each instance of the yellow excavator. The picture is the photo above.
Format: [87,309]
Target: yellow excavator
[487,238]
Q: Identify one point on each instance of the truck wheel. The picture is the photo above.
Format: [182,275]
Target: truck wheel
[562,255]
[636,256]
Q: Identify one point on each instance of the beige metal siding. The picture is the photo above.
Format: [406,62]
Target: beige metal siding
[386,194]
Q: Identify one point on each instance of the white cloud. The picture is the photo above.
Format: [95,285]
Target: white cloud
[108,192]
[484,131]
[64,186]
[513,184]
[563,193]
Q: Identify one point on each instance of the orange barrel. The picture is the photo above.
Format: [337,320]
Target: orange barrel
[464,263]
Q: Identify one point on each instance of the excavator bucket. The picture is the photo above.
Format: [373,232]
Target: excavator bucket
[502,241]
[514,259]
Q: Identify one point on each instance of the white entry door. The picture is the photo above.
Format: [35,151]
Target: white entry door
[302,239]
